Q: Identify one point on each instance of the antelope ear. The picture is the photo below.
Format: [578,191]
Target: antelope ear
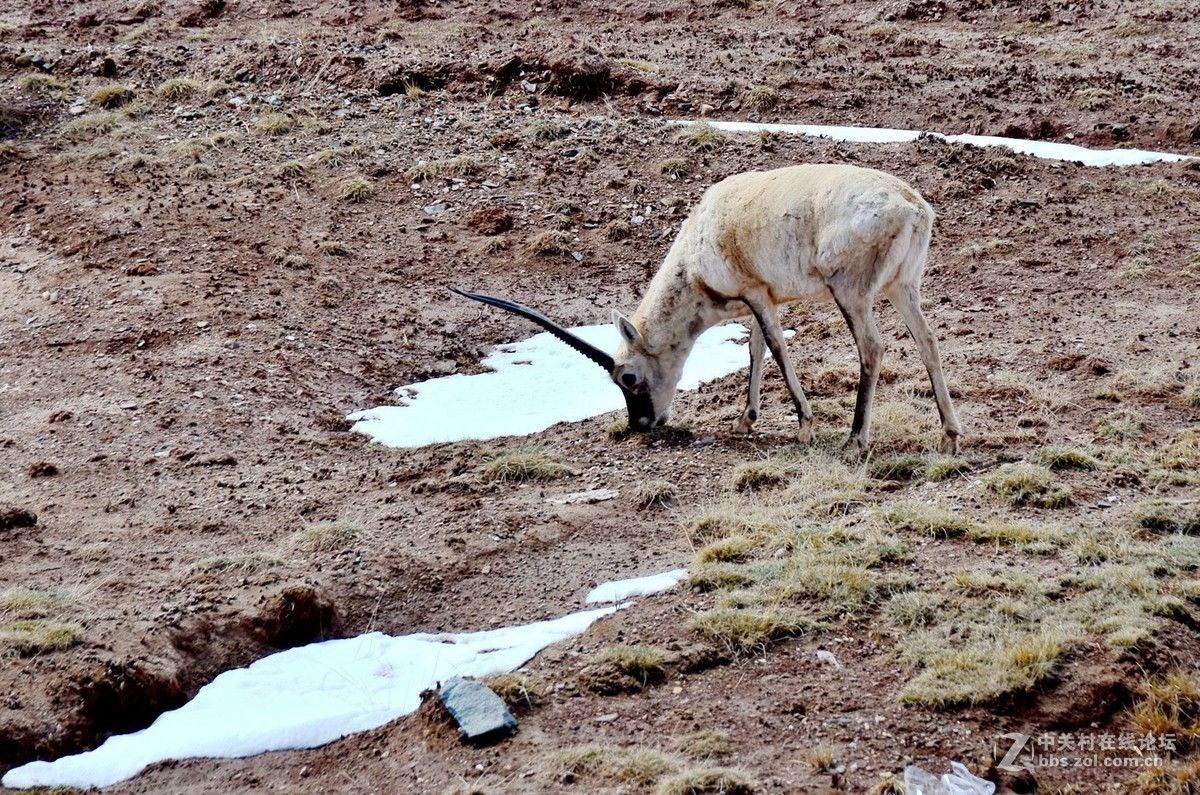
[628,331]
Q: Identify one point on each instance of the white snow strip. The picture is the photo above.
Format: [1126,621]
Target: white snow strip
[620,590]
[882,135]
[303,698]
[537,382]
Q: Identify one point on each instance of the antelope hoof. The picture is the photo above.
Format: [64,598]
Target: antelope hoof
[746,422]
[805,436]
[949,443]
[856,447]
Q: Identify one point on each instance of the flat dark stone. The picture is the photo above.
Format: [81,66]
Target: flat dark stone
[479,712]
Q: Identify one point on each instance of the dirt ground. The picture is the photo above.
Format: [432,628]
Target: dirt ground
[202,279]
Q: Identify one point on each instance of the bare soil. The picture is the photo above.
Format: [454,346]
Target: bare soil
[181,343]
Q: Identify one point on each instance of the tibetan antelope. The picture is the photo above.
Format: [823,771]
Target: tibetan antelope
[761,239]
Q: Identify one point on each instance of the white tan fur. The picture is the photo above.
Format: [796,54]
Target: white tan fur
[761,239]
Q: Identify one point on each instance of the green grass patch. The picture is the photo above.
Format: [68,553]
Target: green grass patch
[1028,485]
[1168,516]
[1063,458]
[37,636]
[1122,425]
[919,517]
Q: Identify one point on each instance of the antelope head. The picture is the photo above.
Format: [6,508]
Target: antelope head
[631,374]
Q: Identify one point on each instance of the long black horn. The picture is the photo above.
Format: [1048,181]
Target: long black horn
[587,349]
[641,409]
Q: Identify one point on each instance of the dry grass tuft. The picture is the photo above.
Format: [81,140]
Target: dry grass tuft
[733,549]
[525,463]
[42,85]
[179,87]
[643,663]
[704,744]
[1183,454]
[35,602]
[198,172]
[550,243]
[336,248]
[292,169]
[111,96]
[675,167]
[356,189]
[762,98]
[653,494]
[702,781]
[327,536]
[547,130]
[516,689]
[703,136]
[831,45]
[639,766]
[746,631]
[90,125]
[241,563]
[1093,98]
[274,123]
[1170,707]
[617,230]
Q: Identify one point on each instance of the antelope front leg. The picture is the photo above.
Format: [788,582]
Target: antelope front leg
[860,317]
[758,347]
[768,320]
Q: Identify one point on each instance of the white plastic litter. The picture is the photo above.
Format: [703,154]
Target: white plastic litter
[536,383]
[1049,150]
[620,590]
[959,781]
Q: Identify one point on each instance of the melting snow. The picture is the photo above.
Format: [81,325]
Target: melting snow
[882,135]
[536,383]
[621,590]
[315,694]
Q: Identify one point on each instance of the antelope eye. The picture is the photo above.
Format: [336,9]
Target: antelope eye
[628,379]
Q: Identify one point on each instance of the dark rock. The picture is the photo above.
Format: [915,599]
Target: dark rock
[11,516]
[582,76]
[479,712]
[490,221]
[201,12]
[43,469]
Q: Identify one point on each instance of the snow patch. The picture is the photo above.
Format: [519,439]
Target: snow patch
[620,590]
[1049,150]
[305,697]
[537,382]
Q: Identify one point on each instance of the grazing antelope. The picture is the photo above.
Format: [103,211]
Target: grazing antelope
[761,239]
